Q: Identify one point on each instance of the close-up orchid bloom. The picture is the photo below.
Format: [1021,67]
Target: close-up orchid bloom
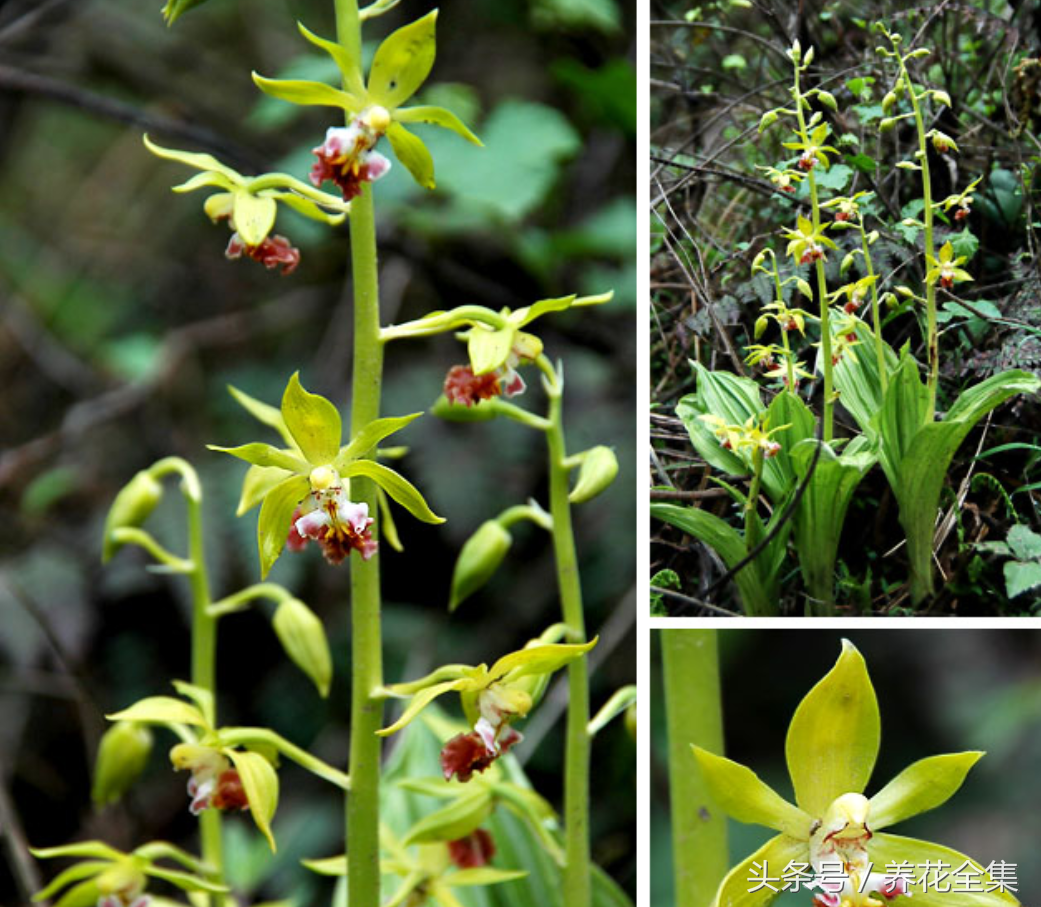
[250,205]
[833,830]
[401,65]
[492,699]
[304,488]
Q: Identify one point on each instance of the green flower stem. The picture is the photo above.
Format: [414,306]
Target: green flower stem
[362,805]
[131,535]
[822,283]
[518,414]
[932,338]
[693,715]
[577,891]
[876,316]
[240,600]
[204,660]
[531,512]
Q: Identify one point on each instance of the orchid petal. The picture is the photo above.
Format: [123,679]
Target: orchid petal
[920,787]
[313,422]
[421,700]
[885,849]
[778,852]
[742,795]
[834,735]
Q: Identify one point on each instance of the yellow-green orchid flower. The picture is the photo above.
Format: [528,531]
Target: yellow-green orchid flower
[491,697]
[495,343]
[805,244]
[304,488]
[232,768]
[945,268]
[401,65]
[107,877]
[250,205]
[427,871]
[832,828]
[813,150]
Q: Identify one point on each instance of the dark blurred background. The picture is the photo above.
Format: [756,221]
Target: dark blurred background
[121,323]
[939,691]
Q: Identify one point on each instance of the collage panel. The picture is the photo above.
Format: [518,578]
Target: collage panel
[844,366]
[859,768]
[318,564]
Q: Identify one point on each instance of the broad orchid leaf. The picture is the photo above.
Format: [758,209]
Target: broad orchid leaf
[313,422]
[489,350]
[193,159]
[397,486]
[743,795]
[349,68]
[258,482]
[458,819]
[920,787]
[734,889]
[859,383]
[253,217]
[787,409]
[76,873]
[436,116]
[903,413]
[821,511]
[161,710]
[259,454]
[403,61]
[541,659]
[371,435]
[887,848]
[306,93]
[413,154]
[759,595]
[924,459]
[263,412]
[260,783]
[422,699]
[276,513]
[833,739]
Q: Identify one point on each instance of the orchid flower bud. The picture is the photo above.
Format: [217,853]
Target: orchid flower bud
[303,638]
[478,560]
[598,470]
[132,506]
[122,756]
